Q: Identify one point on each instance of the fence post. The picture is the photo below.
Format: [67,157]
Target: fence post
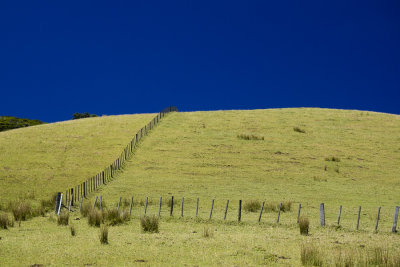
[159,208]
[322,214]
[298,213]
[145,206]
[101,203]
[72,196]
[279,212]
[130,208]
[80,206]
[59,206]
[358,217]
[240,211]
[396,215]
[226,209]
[212,207]
[197,207]
[119,203]
[261,211]
[95,202]
[183,198]
[172,206]
[377,219]
[340,214]
[58,203]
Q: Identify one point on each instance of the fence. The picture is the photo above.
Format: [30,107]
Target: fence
[77,193]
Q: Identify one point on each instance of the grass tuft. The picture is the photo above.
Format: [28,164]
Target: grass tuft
[95,217]
[115,216]
[252,206]
[250,137]
[310,255]
[5,221]
[335,159]
[73,230]
[86,208]
[299,130]
[63,218]
[149,224]
[21,210]
[104,234]
[304,225]
[207,232]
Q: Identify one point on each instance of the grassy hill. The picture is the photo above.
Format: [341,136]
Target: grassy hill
[38,161]
[307,156]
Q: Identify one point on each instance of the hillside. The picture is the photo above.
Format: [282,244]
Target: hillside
[301,155]
[60,155]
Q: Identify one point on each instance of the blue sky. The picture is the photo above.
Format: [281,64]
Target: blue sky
[121,57]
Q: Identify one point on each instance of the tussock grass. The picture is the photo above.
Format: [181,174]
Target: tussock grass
[208,232]
[149,224]
[22,210]
[274,206]
[104,234]
[95,217]
[115,216]
[5,221]
[63,218]
[73,230]
[335,159]
[86,208]
[310,255]
[299,130]
[250,137]
[304,225]
[252,206]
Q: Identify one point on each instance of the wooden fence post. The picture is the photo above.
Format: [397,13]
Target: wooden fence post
[377,219]
[101,203]
[298,213]
[240,211]
[261,211]
[58,197]
[226,209]
[145,206]
[95,202]
[130,208]
[396,215]
[279,212]
[212,207]
[172,206]
[119,203]
[80,205]
[159,208]
[322,214]
[59,206]
[358,217]
[340,214]
[72,196]
[197,207]
[183,198]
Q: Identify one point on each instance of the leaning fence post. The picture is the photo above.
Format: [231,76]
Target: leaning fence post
[377,219]
[279,212]
[130,208]
[396,215]
[322,214]
[101,203]
[95,202]
[172,205]
[159,208]
[197,207]
[358,217]
[226,209]
[183,198]
[59,206]
[212,207]
[340,214]
[145,206]
[58,197]
[261,211]
[240,211]
[119,203]
[298,213]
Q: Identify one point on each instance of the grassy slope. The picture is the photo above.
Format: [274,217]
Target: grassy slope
[62,154]
[199,155]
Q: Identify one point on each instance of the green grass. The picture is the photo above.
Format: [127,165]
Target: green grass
[61,155]
[199,154]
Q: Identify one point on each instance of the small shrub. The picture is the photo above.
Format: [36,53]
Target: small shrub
[252,206]
[73,230]
[21,210]
[310,255]
[104,234]
[335,159]
[250,137]
[149,224]
[5,221]
[207,232]
[299,130]
[95,217]
[304,225]
[63,218]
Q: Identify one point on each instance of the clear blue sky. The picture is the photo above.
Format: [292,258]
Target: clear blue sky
[119,57]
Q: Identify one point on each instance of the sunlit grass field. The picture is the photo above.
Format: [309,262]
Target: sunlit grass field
[307,156]
[40,160]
